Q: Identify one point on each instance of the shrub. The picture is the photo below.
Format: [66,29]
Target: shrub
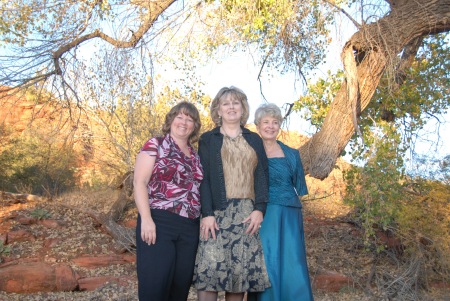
[40,213]
[4,250]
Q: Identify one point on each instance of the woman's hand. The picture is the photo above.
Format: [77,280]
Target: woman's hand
[255,219]
[148,231]
[208,224]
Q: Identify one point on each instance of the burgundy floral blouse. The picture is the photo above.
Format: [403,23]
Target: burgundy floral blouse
[175,181]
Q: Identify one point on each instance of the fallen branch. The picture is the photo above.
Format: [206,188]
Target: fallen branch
[21,197]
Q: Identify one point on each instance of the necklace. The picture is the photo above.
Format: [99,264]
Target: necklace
[229,137]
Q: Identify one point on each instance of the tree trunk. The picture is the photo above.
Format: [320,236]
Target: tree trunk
[367,54]
[124,198]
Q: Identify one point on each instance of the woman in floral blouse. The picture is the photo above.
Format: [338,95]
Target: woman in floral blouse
[167,177]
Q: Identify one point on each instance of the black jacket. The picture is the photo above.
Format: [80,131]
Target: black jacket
[212,188]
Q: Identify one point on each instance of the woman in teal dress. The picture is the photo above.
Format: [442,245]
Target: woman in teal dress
[282,232]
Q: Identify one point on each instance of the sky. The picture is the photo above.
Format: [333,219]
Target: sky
[240,70]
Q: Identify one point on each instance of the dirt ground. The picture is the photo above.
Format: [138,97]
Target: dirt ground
[333,244]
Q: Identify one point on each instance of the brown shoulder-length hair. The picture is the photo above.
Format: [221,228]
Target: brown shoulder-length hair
[221,95]
[186,108]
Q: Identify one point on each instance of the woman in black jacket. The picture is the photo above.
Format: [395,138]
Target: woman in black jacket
[233,196]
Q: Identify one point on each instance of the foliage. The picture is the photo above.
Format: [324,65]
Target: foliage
[390,126]
[444,166]
[126,110]
[315,105]
[424,223]
[375,189]
[38,164]
[126,128]
[291,35]
[40,213]
[415,210]
[27,19]
[94,149]
[424,96]
[4,250]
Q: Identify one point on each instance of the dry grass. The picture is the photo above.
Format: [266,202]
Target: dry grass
[333,244]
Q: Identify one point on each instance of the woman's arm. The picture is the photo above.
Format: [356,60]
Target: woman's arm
[261,185]
[142,172]
[208,223]
[205,186]
[261,175]
[299,176]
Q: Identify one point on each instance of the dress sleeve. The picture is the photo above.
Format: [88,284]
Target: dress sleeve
[261,176]
[205,186]
[151,147]
[299,176]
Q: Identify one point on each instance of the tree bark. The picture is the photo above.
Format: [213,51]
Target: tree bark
[372,49]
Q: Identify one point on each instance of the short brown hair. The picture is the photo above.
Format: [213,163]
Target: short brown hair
[186,108]
[237,94]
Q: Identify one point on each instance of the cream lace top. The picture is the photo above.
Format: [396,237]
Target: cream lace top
[239,161]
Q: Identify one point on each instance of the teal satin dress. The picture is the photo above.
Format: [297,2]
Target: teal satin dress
[283,238]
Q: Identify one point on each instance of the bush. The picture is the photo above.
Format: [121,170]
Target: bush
[375,189]
[40,213]
[4,250]
[415,210]
[32,164]
[424,223]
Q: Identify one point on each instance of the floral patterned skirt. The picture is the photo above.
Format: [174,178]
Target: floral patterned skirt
[234,261]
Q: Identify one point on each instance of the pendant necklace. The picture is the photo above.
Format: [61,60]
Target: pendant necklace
[232,138]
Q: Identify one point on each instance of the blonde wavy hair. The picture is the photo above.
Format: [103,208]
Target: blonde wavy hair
[236,93]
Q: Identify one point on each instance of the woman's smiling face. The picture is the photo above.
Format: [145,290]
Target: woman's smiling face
[268,127]
[182,126]
[230,109]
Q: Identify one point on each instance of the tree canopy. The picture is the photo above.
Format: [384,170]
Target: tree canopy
[97,59]
[54,44]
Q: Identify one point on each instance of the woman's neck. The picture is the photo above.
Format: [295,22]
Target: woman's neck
[231,130]
[270,143]
[183,144]
[272,148]
[179,141]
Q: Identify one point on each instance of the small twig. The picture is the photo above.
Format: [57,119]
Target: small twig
[317,198]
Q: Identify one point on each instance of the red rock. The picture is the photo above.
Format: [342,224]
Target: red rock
[128,257]
[389,240]
[92,283]
[19,235]
[440,285]
[37,277]
[12,215]
[51,223]
[125,280]
[331,281]
[130,223]
[5,225]
[66,279]
[51,242]
[23,220]
[15,261]
[91,262]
